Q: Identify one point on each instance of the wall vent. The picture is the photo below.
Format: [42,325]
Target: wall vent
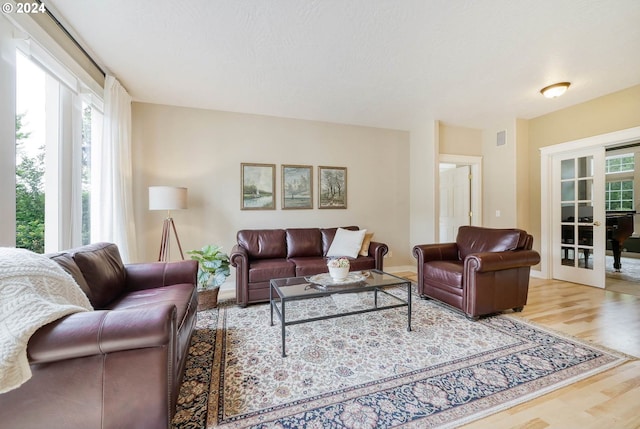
[501,139]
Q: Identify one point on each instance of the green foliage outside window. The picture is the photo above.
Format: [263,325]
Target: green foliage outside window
[29,193]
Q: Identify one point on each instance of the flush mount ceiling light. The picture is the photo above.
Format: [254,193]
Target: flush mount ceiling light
[555,90]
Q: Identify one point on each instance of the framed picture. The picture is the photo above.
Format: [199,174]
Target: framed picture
[297,187]
[258,186]
[332,187]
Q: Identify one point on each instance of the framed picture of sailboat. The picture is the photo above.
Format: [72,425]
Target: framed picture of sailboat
[258,186]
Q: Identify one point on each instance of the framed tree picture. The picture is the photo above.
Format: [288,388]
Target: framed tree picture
[332,187]
[258,186]
[297,187]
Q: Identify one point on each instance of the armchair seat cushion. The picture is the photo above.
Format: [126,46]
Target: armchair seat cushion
[447,273]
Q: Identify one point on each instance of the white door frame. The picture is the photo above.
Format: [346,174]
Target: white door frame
[475,162]
[546,185]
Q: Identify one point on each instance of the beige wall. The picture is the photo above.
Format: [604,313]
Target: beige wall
[423,166]
[613,112]
[202,150]
[454,140]
[499,177]
[523,166]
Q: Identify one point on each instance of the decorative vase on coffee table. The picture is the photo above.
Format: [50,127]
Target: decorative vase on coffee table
[338,274]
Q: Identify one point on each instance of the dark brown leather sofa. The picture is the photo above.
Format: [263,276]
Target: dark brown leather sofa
[264,254]
[119,366]
[485,271]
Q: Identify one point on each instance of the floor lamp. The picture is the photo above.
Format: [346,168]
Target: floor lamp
[168,198]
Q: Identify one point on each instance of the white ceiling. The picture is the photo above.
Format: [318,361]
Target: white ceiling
[382,63]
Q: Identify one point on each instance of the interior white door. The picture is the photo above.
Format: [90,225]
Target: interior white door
[455,201]
[578,217]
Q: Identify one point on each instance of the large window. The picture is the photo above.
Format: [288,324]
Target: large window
[30,155]
[55,127]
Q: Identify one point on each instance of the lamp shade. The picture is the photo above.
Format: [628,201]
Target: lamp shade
[167,198]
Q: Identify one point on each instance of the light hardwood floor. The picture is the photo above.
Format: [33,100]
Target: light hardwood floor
[608,400]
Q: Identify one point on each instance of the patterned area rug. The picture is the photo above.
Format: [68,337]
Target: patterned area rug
[367,371]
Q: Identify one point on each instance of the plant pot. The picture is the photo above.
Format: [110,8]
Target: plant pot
[208,299]
[339,273]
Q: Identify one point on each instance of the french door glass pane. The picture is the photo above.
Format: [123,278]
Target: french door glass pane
[568,191]
[576,194]
[567,168]
[584,189]
[585,166]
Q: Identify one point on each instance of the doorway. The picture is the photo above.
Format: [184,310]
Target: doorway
[460,197]
[622,204]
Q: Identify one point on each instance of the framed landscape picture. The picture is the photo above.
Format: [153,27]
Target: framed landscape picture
[297,187]
[332,187]
[258,186]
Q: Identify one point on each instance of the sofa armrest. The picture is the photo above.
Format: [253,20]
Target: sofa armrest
[435,252]
[102,332]
[239,258]
[497,261]
[158,274]
[378,250]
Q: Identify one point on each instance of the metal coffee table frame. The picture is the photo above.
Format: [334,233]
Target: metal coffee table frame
[298,288]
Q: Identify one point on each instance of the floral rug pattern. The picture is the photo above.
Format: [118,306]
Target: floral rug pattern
[367,370]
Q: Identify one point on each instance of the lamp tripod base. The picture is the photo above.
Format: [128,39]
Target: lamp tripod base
[165,243]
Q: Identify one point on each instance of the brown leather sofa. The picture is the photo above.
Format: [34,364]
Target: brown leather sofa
[264,254]
[119,366]
[485,271]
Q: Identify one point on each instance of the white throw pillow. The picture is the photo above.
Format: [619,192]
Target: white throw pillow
[346,243]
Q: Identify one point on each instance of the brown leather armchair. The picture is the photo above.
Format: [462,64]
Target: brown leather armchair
[485,271]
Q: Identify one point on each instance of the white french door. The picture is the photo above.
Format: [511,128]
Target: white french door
[578,217]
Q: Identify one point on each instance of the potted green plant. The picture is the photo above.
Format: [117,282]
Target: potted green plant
[213,270]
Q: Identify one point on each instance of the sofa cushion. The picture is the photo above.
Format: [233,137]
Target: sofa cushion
[310,266]
[177,294]
[69,265]
[263,243]
[346,243]
[473,239]
[303,242]
[263,270]
[103,271]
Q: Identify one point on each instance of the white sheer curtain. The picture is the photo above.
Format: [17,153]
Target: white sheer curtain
[112,204]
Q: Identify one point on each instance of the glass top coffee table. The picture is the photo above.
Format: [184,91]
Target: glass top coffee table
[282,291]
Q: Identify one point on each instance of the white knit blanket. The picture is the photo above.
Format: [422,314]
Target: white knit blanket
[34,291]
